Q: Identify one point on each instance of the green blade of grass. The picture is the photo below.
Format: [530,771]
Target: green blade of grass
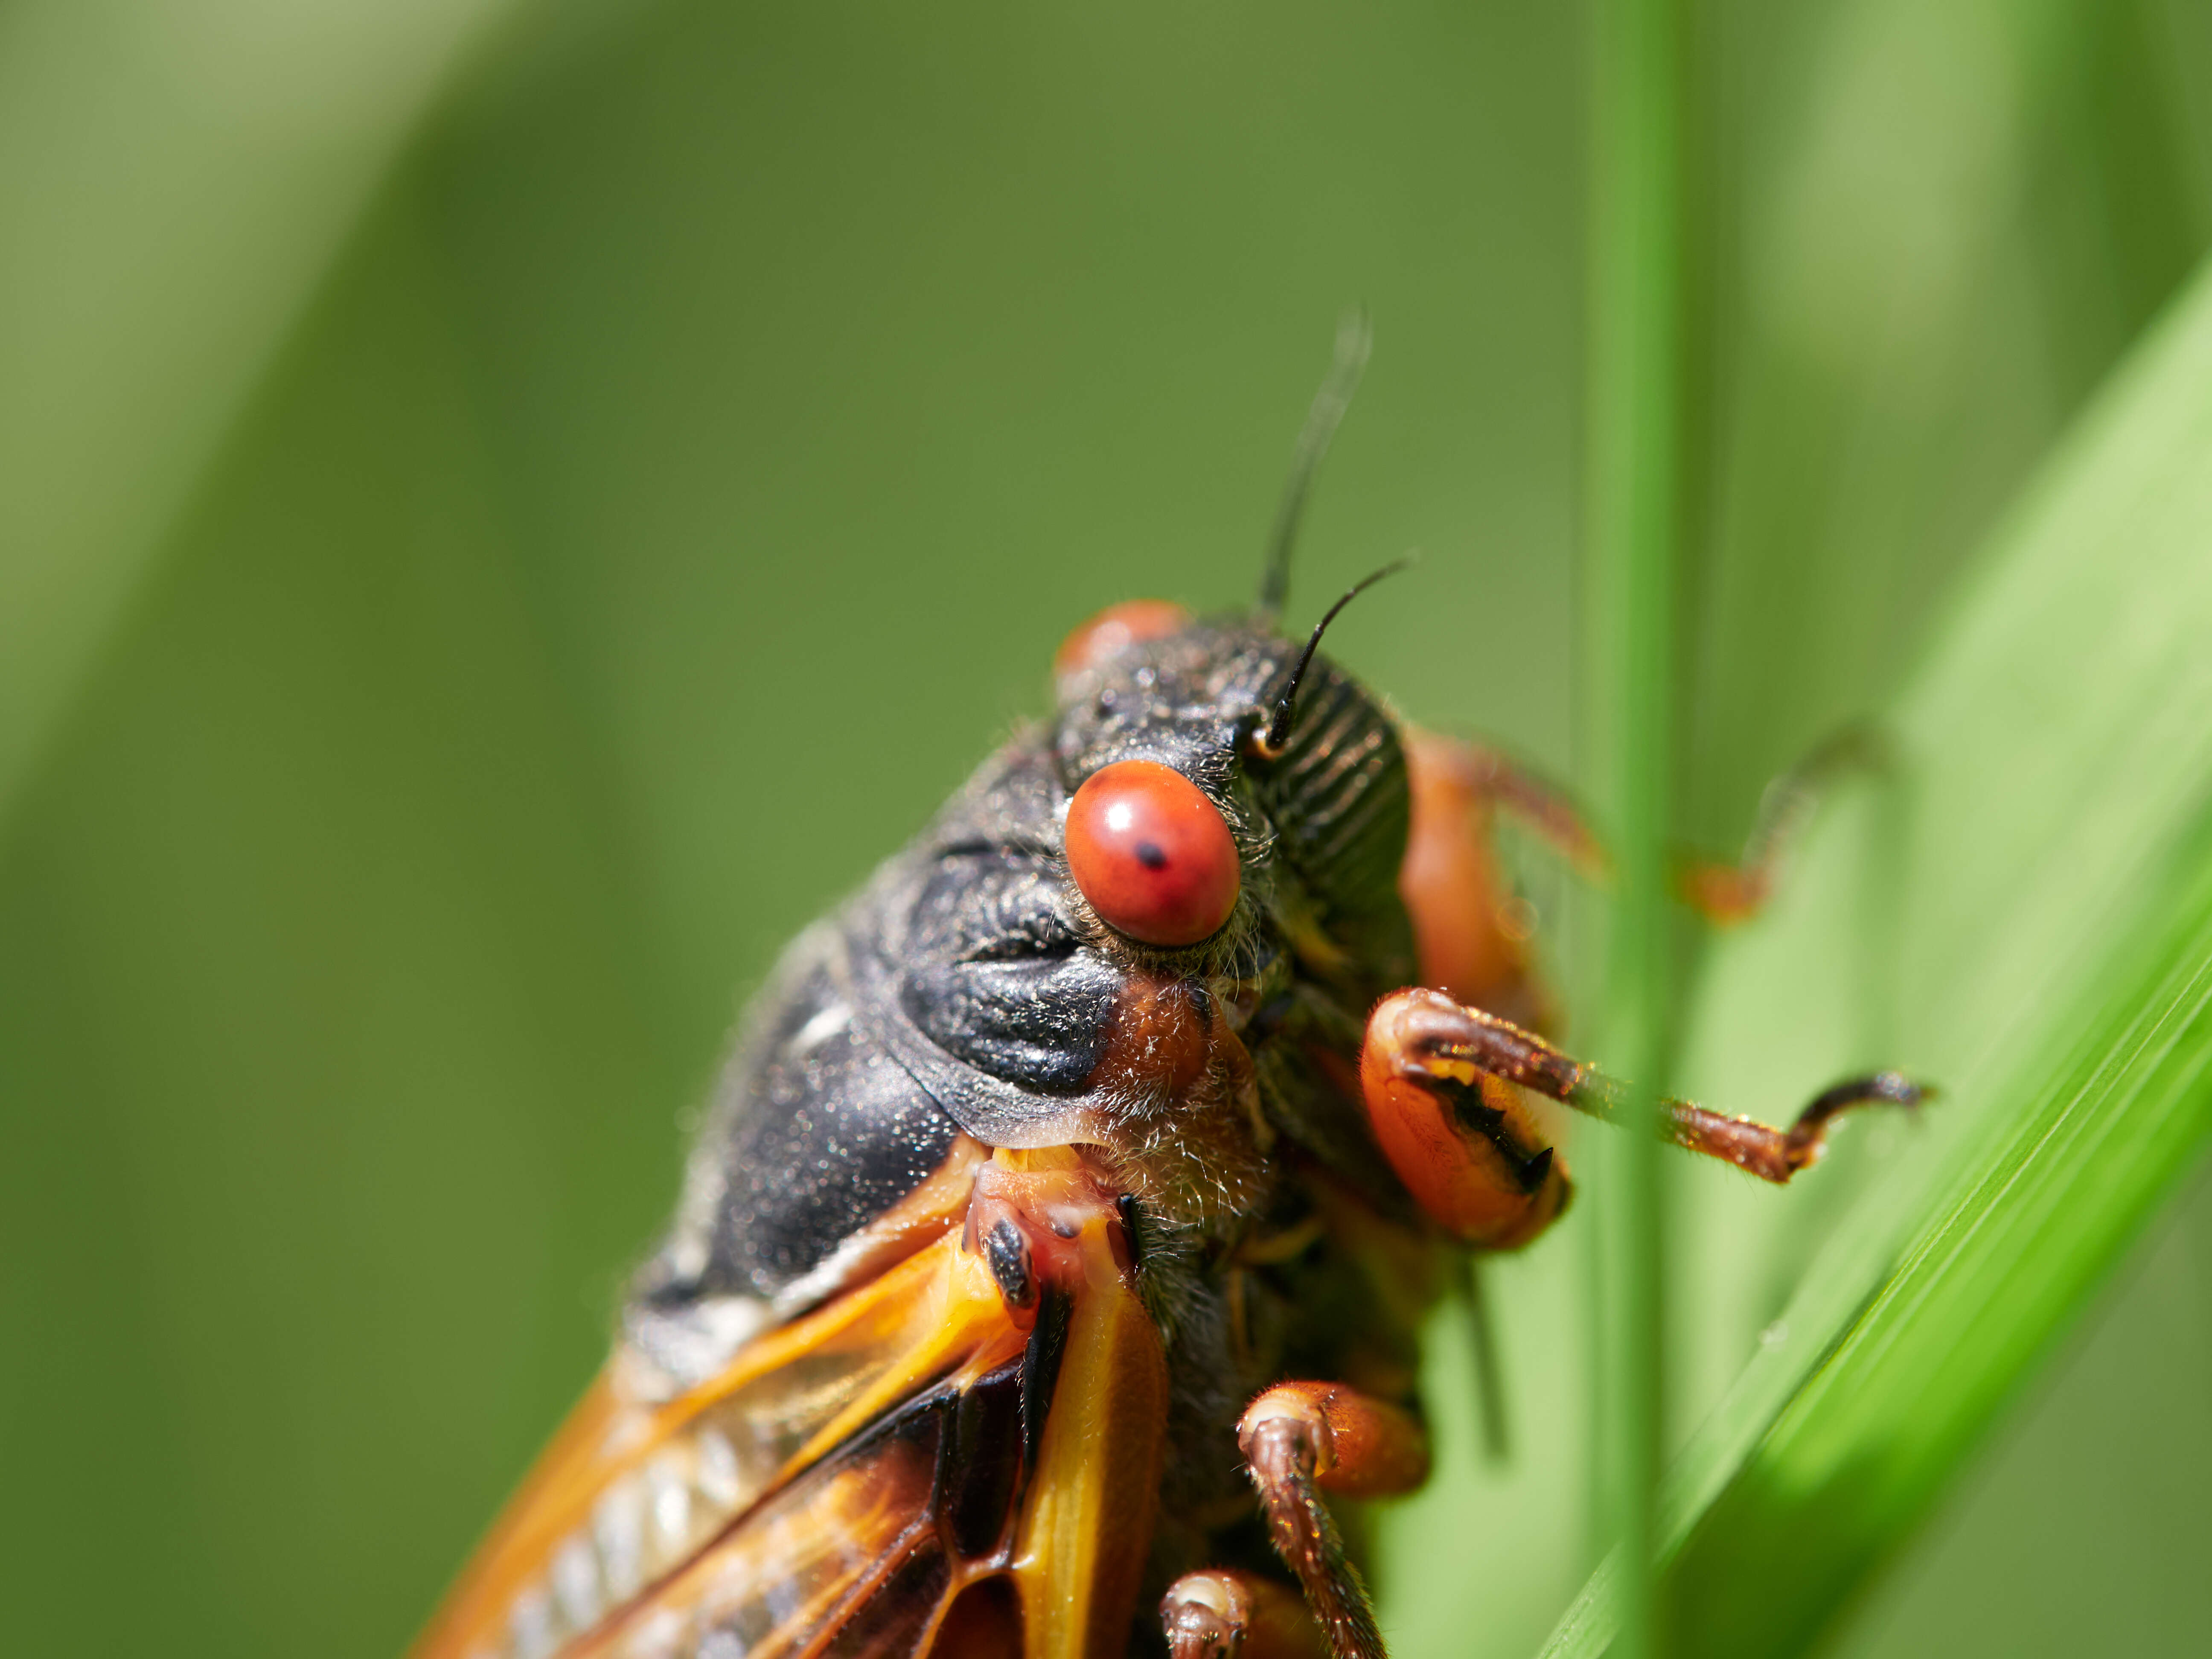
[1635,459]
[2044,961]
[1863,1445]
[2016,1248]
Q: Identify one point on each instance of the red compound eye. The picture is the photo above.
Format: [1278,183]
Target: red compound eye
[1114,630]
[1151,853]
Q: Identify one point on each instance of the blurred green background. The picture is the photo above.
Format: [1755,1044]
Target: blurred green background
[507,511]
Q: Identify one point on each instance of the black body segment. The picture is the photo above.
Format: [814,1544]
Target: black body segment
[980,983]
[997,977]
[814,1132]
[1338,791]
[967,987]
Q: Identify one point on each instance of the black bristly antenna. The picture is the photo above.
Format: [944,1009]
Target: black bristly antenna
[1268,744]
[1354,339]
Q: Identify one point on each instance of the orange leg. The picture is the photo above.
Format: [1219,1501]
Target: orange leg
[1469,1147]
[1301,1439]
[1221,1614]
[1467,931]
[1432,1074]
[1472,938]
[1726,894]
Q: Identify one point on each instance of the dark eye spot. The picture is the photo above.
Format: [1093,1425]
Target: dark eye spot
[1150,855]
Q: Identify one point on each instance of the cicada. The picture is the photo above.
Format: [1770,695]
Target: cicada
[1059,1237]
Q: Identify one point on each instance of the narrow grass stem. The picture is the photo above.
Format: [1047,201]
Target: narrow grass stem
[1634,459]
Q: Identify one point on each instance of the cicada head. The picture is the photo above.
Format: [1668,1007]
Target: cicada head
[1303,767]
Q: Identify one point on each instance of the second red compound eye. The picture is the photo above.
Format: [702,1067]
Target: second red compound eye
[1151,853]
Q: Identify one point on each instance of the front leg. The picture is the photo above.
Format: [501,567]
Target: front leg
[1468,1145]
[1434,1077]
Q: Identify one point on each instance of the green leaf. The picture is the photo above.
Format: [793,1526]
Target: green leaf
[1632,419]
[2041,892]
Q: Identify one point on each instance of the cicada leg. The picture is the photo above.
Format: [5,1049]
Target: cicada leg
[1727,893]
[1469,934]
[1223,1614]
[1301,1439]
[1433,1076]
[1471,1150]
[1472,935]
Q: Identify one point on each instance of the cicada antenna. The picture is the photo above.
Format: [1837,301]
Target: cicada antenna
[1268,744]
[1355,338]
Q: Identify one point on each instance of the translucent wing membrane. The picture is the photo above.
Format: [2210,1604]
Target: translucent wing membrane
[629,1494]
[912,1468]
[861,1555]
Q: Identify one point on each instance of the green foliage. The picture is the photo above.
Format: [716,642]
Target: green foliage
[2059,972]
[1633,421]
[508,511]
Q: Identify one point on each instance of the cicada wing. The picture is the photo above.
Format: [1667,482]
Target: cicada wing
[904,1472]
[630,1491]
[1008,1516]
[861,1555]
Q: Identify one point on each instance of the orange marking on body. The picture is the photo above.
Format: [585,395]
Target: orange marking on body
[1185,1131]
[1157,1047]
[1057,1199]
